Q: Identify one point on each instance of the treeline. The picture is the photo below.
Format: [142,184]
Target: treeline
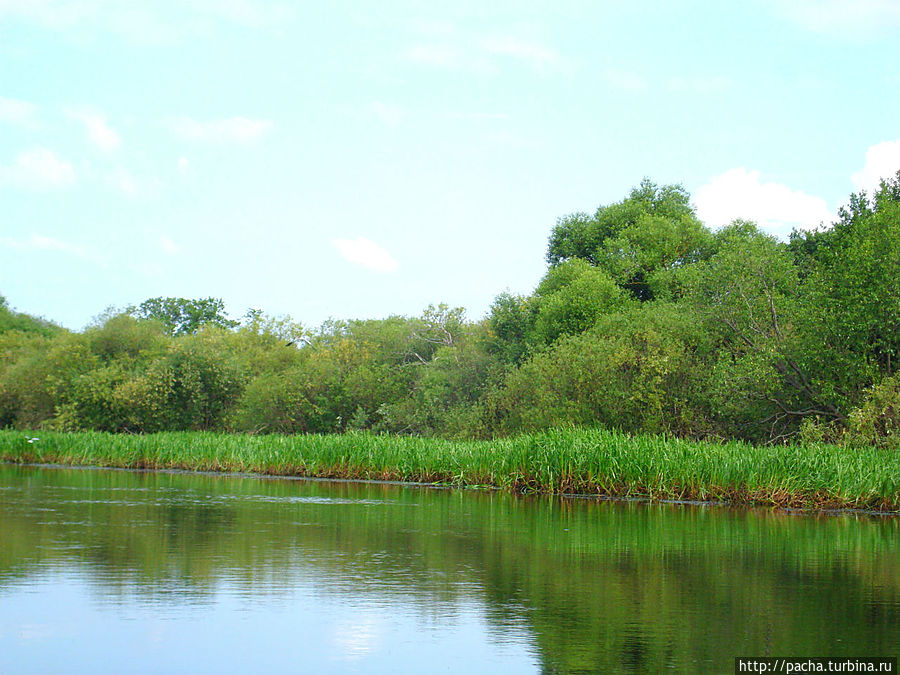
[646,321]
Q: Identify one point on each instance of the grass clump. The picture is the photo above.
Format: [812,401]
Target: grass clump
[582,461]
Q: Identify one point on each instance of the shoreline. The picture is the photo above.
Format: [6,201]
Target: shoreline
[789,510]
[587,463]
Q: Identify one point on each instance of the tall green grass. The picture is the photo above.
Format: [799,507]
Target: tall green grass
[588,461]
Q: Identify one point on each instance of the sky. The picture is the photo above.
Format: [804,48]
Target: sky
[356,160]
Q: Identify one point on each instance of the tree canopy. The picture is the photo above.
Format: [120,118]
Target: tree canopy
[645,320]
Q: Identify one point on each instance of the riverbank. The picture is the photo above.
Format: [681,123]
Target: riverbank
[569,461]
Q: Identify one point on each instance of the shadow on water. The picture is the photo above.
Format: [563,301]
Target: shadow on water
[587,586]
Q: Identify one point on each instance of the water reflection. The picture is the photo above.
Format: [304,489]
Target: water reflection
[159,572]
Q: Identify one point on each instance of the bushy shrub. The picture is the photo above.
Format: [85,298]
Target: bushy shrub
[877,420]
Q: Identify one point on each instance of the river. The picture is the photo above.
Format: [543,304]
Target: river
[121,571]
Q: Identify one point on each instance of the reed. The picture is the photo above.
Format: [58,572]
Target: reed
[574,461]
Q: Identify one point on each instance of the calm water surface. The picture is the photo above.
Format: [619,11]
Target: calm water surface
[115,571]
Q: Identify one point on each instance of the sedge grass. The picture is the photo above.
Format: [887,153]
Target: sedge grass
[582,461]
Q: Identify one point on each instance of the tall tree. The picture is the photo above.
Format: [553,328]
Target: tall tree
[182,316]
[652,231]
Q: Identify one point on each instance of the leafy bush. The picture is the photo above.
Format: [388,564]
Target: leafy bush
[877,420]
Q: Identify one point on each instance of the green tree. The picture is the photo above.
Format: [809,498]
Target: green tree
[571,298]
[853,283]
[11,320]
[181,316]
[511,320]
[638,370]
[652,231]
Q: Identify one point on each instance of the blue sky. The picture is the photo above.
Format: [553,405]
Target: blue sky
[356,160]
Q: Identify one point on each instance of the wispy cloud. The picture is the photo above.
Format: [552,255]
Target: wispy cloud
[365,253]
[230,130]
[699,85]
[450,49]
[882,162]
[387,113]
[438,54]
[532,52]
[477,116]
[168,245]
[39,242]
[38,168]
[141,22]
[857,19]
[511,139]
[20,113]
[624,79]
[98,130]
[124,181]
[776,208]
[252,14]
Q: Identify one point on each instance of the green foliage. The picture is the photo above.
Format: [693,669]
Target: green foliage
[645,321]
[16,321]
[853,283]
[571,298]
[581,236]
[123,337]
[181,316]
[38,374]
[274,403]
[580,461]
[651,232]
[877,420]
[277,328]
[511,320]
[639,371]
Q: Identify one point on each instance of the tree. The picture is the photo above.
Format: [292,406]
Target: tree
[511,320]
[181,316]
[653,230]
[769,373]
[571,298]
[854,279]
[18,321]
[640,370]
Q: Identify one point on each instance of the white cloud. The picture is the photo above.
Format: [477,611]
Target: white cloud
[168,245]
[776,208]
[366,253]
[529,51]
[95,125]
[857,19]
[21,113]
[477,116]
[124,181]
[40,242]
[38,168]
[231,130]
[387,113]
[511,139]
[131,185]
[246,12]
[623,79]
[443,55]
[53,13]
[452,50]
[431,27]
[184,165]
[882,161]
[699,85]
[142,22]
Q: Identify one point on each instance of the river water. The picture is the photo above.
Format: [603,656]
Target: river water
[117,571]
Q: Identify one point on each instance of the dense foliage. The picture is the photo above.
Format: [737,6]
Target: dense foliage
[646,321]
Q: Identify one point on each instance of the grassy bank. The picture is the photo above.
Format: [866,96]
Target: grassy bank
[561,461]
